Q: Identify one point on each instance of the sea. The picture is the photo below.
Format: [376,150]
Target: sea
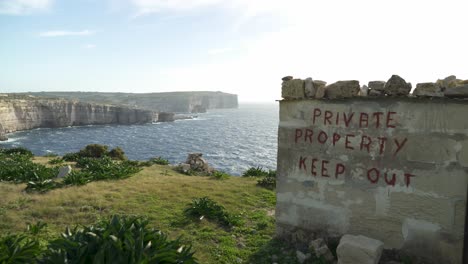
[231,140]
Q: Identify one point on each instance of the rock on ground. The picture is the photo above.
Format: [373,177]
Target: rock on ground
[397,86]
[376,88]
[64,171]
[359,249]
[320,248]
[301,257]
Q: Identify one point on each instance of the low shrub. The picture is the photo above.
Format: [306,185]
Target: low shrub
[120,240]
[255,172]
[107,169]
[117,153]
[94,151]
[18,151]
[159,161]
[206,208]
[51,155]
[56,161]
[71,157]
[268,182]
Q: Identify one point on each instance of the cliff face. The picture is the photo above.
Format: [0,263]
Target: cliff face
[23,114]
[180,102]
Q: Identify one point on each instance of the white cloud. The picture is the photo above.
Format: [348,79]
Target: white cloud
[89,46]
[154,6]
[63,33]
[335,40]
[219,51]
[24,7]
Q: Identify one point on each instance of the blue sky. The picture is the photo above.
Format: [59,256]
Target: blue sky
[237,46]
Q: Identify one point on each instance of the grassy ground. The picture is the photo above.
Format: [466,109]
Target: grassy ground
[161,195]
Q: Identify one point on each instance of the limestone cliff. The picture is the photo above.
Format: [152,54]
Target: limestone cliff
[179,102]
[27,113]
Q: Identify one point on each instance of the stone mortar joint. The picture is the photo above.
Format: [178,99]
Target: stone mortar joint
[450,87]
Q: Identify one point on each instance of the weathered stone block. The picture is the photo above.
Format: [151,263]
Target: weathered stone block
[343,89]
[458,91]
[309,88]
[397,86]
[320,92]
[428,89]
[359,249]
[377,85]
[293,89]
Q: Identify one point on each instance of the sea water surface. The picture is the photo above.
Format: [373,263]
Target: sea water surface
[231,140]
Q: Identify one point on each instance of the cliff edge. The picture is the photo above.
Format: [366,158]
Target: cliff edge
[178,102]
[27,112]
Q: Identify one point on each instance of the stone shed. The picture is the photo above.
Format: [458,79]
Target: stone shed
[390,167]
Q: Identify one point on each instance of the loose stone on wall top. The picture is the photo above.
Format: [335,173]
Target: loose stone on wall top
[342,89]
[397,86]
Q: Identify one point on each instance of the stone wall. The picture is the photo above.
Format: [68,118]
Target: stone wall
[390,166]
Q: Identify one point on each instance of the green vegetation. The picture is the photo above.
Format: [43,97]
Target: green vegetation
[16,166]
[56,161]
[96,151]
[220,175]
[117,154]
[18,151]
[205,207]
[268,177]
[159,161]
[228,221]
[255,172]
[106,169]
[118,240]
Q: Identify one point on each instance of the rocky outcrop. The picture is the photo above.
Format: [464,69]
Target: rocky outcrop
[178,102]
[166,117]
[28,113]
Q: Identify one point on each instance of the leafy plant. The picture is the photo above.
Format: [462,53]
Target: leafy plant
[206,208]
[19,168]
[255,172]
[35,229]
[77,178]
[42,186]
[269,181]
[19,249]
[118,240]
[220,175]
[94,151]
